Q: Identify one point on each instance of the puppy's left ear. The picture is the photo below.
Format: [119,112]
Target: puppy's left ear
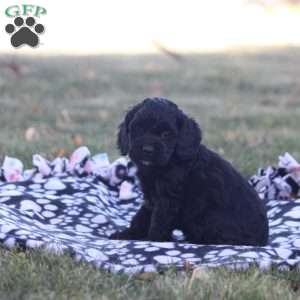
[189,138]
[123,134]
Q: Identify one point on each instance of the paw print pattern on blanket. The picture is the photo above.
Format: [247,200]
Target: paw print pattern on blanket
[72,206]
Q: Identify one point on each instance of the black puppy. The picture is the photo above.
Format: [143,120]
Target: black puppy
[186,186]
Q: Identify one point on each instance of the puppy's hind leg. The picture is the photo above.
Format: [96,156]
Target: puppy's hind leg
[217,231]
[202,230]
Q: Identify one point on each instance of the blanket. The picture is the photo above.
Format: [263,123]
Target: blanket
[73,205]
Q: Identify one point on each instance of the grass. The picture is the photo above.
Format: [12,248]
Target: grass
[247,104]
[36,275]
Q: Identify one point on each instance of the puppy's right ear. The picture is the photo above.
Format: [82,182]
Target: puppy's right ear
[123,134]
[189,139]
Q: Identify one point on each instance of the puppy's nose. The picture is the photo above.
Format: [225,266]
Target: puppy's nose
[148,148]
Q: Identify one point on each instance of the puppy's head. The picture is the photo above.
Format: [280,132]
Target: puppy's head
[156,130]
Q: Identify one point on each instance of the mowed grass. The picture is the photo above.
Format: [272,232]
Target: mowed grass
[247,104]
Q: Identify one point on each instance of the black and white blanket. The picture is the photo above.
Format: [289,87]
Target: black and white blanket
[73,205]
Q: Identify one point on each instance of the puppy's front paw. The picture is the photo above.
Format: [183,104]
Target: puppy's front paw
[159,237]
[121,235]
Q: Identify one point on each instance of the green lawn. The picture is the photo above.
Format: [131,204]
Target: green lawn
[248,105]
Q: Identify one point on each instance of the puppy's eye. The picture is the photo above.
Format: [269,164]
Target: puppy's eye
[165,134]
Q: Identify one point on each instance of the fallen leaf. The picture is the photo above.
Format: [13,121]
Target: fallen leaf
[199,273]
[77,139]
[232,135]
[31,134]
[146,276]
[188,266]
[66,116]
[60,152]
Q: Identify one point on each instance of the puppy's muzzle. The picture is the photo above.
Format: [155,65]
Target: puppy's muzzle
[147,151]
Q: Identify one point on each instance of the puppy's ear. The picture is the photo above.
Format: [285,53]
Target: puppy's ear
[189,138]
[123,138]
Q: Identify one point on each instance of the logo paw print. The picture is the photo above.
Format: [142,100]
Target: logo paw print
[25,33]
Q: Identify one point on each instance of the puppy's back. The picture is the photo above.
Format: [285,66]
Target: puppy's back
[232,207]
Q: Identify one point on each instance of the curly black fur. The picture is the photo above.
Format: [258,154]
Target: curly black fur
[186,186]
